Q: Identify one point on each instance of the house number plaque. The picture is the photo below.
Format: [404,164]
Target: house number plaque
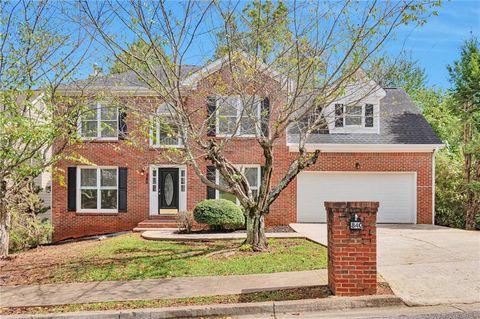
[356,223]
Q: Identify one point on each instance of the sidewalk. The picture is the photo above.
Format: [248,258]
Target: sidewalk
[182,287]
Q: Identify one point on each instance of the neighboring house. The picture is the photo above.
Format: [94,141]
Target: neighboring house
[383,150]
[44,181]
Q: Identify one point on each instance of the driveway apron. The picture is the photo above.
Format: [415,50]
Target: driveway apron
[424,264]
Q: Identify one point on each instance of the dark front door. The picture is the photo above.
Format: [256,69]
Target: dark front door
[168,190]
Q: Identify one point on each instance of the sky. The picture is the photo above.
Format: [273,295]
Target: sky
[437,44]
[433,45]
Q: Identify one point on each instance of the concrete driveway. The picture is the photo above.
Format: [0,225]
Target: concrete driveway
[424,264]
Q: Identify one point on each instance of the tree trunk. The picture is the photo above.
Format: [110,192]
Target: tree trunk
[256,231]
[4,223]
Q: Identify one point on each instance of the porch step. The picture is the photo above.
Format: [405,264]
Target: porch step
[140,229]
[158,222]
[163,217]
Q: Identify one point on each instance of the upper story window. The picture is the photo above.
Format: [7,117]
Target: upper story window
[354,115]
[251,172]
[165,130]
[99,122]
[98,189]
[234,117]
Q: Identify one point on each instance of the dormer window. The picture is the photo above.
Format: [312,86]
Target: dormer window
[354,115]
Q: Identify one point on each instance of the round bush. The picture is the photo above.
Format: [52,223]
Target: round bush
[219,213]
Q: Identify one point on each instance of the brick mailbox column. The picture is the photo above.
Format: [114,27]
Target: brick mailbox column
[352,248]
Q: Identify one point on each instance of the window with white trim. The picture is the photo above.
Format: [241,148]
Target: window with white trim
[253,176]
[354,115]
[234,117]
[164,131]
[97,189]
[99,122]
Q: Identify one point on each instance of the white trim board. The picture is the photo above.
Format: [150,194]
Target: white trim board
[367,148]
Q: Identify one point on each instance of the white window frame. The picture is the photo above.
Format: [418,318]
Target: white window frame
[242,169]
[98,110]
[154,141]
[98,187]
[239,108]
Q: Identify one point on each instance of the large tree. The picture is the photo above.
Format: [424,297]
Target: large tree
[465,78]
[313,52]
[36,56]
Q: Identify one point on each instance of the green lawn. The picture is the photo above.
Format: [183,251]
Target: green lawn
[130,257]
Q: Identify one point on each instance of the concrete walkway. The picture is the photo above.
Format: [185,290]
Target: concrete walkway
[172,235]
[74,293]
[424,264]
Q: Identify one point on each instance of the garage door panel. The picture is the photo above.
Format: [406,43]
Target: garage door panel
[394,191]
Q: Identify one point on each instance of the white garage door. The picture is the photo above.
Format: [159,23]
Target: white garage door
[394,191]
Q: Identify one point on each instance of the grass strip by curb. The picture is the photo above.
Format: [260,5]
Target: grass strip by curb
[313,292]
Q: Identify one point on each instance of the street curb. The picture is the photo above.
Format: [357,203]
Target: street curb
[330,303]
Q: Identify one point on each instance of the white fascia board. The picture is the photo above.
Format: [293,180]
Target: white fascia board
[367,148]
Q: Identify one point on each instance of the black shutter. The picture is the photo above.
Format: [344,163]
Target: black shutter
[122,189]
[72,189]
[369,115]
[122,123]
[265,115]
[211,175]
[338,115]
[211,116]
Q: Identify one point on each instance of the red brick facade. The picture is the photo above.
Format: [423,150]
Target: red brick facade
[138,157]
[352,254]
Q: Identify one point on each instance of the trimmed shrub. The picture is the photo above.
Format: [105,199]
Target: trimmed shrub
[219,214]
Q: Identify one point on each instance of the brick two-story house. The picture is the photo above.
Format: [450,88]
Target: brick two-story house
[380,149]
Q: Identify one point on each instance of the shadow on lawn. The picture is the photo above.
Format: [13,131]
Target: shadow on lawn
[150,262]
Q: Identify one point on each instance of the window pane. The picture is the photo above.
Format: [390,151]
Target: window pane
[108,113]
[88,177]
[109,128]
[108,198]
[354,115]
[168,133]
[338,115]
[247,126]
[221,180]
[90,114]
[353,120]
[227,196]
[226,125]
[108,177]
[89,128]
[228,106]
[88,199]
[369,115]
[354,110]
[251,173]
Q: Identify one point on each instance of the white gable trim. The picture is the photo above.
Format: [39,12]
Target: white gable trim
[193,79]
